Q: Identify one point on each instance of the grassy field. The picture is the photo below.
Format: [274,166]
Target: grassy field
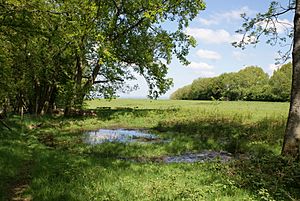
[44,158]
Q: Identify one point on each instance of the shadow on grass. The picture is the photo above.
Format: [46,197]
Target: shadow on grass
[101,114]
[232,135]
[60,173]
[13,155]
[65,175]
[260,169]
[270,177]
[109,113]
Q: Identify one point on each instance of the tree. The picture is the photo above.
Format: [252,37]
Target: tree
[266,24]
[58,51]
[292,134]
[280,83]
[183,93]
[201,89]
[249,83]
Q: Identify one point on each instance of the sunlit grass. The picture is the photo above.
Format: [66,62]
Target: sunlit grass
[64,168]
[253,109]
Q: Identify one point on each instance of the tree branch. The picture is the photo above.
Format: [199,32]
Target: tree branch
[283,12]
[107,81]
[5,125]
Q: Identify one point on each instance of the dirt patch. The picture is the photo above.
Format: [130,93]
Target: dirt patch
[48,140]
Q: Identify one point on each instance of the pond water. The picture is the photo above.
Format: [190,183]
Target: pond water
[119,135]
[142,136]
[203,156]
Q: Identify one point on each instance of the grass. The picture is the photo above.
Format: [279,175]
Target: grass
[63,168]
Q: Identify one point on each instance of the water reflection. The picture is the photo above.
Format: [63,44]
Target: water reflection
[118,135]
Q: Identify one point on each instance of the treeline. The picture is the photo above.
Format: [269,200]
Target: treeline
[250,84]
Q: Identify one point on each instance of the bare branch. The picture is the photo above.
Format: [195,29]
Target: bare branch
[267,24]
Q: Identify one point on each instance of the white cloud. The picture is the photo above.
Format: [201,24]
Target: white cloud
[209,35]
[236,14]
[208,54]
[273,67]
[202,69]
[238,55]
[228,16]
[213,36]
[208,22]
[200,66]
[206,74]
[282,25]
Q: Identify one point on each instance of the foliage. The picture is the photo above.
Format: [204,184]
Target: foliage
[54,53]
[250,84]
[184,93]
[281,82]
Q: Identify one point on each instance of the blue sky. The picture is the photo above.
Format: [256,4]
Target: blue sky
[214,29]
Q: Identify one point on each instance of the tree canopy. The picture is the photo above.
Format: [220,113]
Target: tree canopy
[281,82]
[250,83]
[57,52]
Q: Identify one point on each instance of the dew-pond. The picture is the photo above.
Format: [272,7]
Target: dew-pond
[120,135]
[143,136]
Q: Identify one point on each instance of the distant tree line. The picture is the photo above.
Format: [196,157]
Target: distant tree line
[249,84]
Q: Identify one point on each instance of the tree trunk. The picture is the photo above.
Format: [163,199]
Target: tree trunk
[52,100]
[5,107]
[292,134]
[89,83]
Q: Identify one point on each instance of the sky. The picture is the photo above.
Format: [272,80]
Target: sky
[214,29]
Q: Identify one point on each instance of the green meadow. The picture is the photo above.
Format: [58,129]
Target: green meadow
[45,158]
